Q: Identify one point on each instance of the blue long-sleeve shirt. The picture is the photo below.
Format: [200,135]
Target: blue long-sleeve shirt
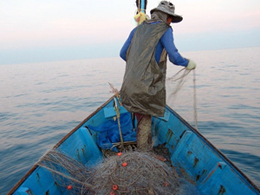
[166,42]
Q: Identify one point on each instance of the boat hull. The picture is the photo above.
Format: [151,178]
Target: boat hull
[190,152]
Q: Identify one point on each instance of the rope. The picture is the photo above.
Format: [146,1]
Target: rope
[195,100]
[119,124]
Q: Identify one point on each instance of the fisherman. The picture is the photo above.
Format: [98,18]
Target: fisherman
[145,52]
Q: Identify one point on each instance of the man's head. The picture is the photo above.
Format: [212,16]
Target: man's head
[169,9]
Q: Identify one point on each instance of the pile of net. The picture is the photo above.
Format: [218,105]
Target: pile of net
[135,173]
[123,173]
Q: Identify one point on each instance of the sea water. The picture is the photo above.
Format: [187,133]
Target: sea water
[42,102]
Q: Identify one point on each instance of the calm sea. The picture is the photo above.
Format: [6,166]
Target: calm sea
[42,102]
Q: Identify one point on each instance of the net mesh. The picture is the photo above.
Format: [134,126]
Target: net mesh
[135,173]
[178,79]
[130,172]
[68,172]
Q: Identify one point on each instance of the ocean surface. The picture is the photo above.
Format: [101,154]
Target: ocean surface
[42,102]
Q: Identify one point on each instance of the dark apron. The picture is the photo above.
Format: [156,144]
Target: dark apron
[143,88]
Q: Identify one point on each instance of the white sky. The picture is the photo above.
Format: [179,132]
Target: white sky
[46,30]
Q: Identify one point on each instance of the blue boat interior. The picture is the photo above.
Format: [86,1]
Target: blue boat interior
[191,154]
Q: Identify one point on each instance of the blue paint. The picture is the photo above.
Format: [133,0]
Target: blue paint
[142,5]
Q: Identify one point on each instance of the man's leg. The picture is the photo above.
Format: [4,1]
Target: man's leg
[144,133]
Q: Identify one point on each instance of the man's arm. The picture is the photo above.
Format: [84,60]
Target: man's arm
[125,47]
[174,56]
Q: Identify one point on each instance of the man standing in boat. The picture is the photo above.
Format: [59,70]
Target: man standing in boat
[145,52]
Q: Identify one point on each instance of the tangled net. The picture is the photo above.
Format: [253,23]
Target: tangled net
[179,79]
[68,172]
[125,173]
[135,173]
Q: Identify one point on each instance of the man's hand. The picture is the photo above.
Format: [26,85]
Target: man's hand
[191,65]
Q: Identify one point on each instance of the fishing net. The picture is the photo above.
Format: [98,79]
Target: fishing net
[68,172]
[130,172]
[177,81]
[135,173]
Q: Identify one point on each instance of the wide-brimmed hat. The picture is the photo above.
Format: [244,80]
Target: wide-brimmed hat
[168,8]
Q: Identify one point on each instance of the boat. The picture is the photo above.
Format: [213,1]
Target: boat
[112,128]
[189,151]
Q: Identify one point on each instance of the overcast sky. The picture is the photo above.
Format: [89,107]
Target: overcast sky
[50,30]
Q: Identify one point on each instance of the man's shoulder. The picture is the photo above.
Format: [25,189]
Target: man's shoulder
[169,31]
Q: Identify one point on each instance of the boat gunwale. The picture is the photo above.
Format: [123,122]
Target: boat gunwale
[233,166]
[216,149]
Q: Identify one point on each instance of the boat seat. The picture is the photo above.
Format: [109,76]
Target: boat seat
[110,112]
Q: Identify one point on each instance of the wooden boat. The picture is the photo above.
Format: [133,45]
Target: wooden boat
[190,152]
